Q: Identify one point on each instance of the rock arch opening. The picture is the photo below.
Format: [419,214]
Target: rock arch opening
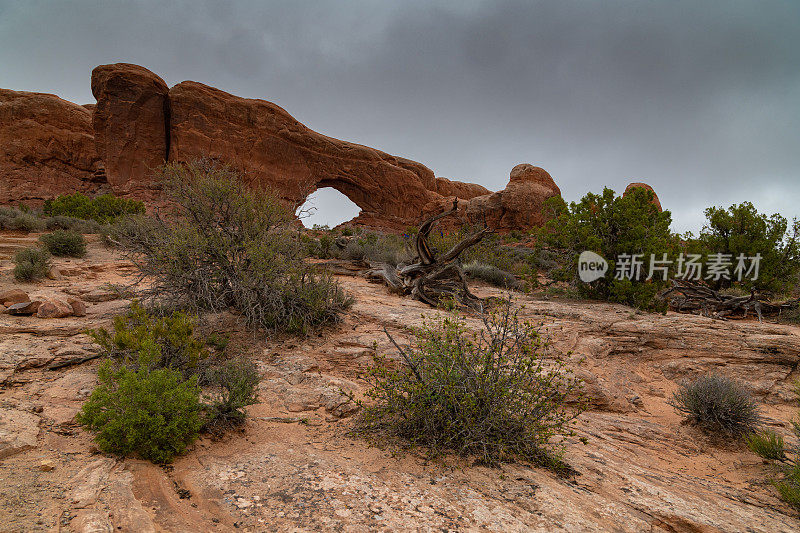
[327,207]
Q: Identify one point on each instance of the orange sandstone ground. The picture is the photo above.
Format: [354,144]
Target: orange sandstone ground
[294,468]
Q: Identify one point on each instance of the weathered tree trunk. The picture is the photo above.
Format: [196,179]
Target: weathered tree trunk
[691,297]
[432,279]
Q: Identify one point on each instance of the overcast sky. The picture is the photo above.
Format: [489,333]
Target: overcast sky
[699,99]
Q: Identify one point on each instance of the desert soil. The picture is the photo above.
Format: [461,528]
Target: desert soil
[294,467]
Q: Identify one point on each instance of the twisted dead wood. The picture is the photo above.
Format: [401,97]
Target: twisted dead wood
[429,278]
[687,296]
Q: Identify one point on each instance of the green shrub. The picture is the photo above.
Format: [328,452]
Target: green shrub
[141,339]
[374,247]
[64,243]
[31,264]
[772,447]
[789,486]
[491,274]
[73,224]
[490,250]
[153,413]
[741,229]
[16,220]
[491,394]
[104,209]
[230,246]
[717,404]
[611,225]
[235,385]
[767,444]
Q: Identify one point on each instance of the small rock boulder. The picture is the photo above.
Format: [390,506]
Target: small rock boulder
[631,186]
[24,308]
[54,309]
[78,307]
[13,296]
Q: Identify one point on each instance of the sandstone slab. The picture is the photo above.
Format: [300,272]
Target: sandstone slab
[19,431]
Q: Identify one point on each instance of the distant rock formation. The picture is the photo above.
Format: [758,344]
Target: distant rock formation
[46,148]
[633,185]
[138,123]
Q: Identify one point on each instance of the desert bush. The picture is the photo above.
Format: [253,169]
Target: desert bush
[767,444]
[491,274]
[374,247]
[717,404]
[64,243]
[104,209]
[490,250]
[77,225]
[235,386]
[152,413]
[491,394]
[144,340]
[230,246]
[610,225]
[31,264]
[17,220]
[741,229]
[772,447]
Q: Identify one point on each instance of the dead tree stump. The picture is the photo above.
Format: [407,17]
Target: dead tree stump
[429,278]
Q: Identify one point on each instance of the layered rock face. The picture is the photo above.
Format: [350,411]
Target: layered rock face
[46,148]
[130,124]
[634,185]
[273,149]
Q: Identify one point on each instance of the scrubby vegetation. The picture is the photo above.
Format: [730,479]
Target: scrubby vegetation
[141,339]
[77,225]
[234,384]
[227,246]
[741,229]
[718,405]
[491,274]
[772,447]
[495,394]
[149,398]
[28,220]
[31,264]
[616,226]
[103,209]
[18,220]
[63,243]
[611,225]
[153,413]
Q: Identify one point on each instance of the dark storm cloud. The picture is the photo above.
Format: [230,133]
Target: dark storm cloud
[699,99]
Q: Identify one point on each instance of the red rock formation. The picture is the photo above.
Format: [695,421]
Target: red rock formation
[519,205]
[138,123]
[130,125]
[459,189]
[656,201]
[273,149]
[46,148]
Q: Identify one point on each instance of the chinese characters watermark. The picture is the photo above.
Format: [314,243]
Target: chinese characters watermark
[715,267]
